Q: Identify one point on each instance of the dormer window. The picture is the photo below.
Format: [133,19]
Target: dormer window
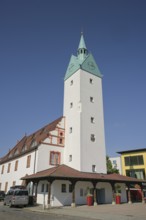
[24,148]
[16,152]
[33,144]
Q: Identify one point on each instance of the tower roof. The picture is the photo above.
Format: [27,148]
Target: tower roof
[82,42]
[83,60]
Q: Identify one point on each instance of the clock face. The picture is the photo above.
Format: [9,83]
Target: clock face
[91,65]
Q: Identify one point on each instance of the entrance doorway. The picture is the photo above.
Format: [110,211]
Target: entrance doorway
[101,196]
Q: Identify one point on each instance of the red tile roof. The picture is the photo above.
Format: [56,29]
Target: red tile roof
[64,172]
[30,142]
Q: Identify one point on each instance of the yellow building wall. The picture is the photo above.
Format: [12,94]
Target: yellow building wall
[124,168]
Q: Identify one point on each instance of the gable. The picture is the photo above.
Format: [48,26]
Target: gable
[90,66]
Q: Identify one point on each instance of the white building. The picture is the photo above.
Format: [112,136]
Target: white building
[60,161]
[83,111]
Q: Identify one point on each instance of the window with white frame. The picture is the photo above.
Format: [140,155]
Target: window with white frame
[54,158]
[70,158]
[91,99]
[70,130]
[91,81]
[71,105]
[93,168]
[92,120]
[93,137]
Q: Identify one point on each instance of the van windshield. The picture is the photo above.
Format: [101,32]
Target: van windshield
[21,193]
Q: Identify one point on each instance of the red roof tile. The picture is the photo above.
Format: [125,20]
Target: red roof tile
[64,171]
[27,141]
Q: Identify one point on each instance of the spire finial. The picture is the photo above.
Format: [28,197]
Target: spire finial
[82,31]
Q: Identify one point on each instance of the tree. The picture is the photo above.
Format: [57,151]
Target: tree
[109,166]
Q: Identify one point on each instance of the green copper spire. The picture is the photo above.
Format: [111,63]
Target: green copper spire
[84,61]
[82,50]
[82,42]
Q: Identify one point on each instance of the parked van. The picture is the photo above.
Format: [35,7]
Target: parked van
[16,197]
[2,195]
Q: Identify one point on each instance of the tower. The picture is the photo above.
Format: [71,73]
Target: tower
[83,111]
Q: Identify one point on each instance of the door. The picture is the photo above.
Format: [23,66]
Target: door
[101,196]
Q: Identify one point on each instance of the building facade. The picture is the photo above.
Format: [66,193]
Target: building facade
[61,161]
[134,163]
[83,112]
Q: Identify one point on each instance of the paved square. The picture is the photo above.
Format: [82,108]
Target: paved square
[135,211]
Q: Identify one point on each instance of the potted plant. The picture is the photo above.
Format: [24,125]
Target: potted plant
[89,197]
[118,194]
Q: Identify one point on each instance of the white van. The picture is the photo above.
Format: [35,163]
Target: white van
[16,197]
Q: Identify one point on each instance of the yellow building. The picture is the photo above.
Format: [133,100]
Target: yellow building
[133,163]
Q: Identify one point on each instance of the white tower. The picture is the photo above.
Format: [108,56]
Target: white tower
[83,111]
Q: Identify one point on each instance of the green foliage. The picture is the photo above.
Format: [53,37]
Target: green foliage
[109,166]
[118,189]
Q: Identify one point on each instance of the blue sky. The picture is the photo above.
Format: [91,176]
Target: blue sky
[37,38]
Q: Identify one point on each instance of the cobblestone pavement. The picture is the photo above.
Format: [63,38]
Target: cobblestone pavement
[100,212]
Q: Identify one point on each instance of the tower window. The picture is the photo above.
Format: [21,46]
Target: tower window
[93,168]
[91,81]
[92,120]
[92,137]
[71,105]
[70,130]
[91,99]
[70,158]
[71,82]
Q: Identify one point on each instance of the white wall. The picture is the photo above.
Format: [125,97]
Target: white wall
[44,156]
[78,144]
[21,172]
[72,119]
[93,153]
[61,199]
